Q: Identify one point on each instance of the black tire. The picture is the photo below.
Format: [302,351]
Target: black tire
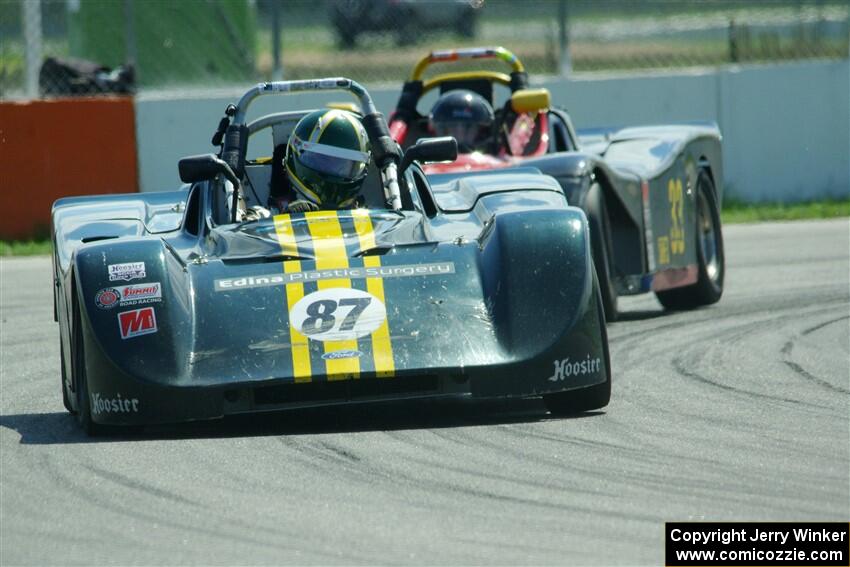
[711,260]
[78,360]
[600,247]
[590,398]
[66,399]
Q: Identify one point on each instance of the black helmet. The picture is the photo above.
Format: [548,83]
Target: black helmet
[466,116]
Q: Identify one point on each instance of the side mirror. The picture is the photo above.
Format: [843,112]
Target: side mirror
[430,150]
[530,100]
[203,168]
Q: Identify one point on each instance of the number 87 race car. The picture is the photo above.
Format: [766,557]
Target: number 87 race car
[179,306]
[652,195]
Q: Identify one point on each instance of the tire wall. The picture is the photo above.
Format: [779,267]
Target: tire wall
[59,148]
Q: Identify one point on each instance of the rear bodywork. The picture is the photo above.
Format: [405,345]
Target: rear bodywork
[486,292]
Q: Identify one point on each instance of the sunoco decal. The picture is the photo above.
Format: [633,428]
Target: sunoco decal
[126,272]
[400,271]
[566,368]
[125,295]
[137,322]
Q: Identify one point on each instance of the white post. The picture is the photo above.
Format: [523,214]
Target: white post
[32,41]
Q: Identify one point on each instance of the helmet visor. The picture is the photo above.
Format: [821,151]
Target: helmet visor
[472,136]
[341,163]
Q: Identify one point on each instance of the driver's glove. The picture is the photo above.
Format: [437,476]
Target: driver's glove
[301,207]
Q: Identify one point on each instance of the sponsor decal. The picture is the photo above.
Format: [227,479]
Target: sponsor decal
[117,404]
[338,354]
[405,270]
[125,295]
[127,271]
[137,322]
[337,314]
[566,368]
[107,298]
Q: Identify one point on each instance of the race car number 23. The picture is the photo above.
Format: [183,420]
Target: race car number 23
[337,314]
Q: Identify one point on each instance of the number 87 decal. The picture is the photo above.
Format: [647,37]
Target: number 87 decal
[677,209]
[337,314]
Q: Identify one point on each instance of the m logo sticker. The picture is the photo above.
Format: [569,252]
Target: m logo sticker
[137,322]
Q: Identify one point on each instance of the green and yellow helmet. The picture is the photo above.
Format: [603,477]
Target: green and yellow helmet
[327,157]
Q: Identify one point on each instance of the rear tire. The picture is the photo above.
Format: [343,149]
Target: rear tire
[710,256]
[590,398]
[600,246]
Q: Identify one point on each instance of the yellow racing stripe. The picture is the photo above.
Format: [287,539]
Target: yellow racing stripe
[294,292]
[330,253]
[382,347]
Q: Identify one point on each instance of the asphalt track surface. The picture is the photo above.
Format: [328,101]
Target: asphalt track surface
[738,411]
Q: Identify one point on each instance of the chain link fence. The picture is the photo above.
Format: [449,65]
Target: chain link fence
[62,47]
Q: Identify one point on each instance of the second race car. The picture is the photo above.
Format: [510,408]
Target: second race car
[652,194]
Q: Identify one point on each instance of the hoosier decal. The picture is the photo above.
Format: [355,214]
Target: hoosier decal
[117,404]
[566,368]
[127,271]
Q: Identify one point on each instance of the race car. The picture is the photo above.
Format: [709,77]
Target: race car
[652,194]
[185,305]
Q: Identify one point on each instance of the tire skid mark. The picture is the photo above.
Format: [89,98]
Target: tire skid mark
[824,324]
[812,378]
[521,482]
[85,492]
[137,485]
[715,316]
[90,495]
[681,369]
[319,454]
[525,432]
[444,485]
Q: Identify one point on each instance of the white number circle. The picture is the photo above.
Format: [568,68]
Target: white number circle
[337,314]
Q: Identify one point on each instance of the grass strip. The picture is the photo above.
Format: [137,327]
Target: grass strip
[738,212]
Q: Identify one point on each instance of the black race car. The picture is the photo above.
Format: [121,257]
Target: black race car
[652,194]
[183,305]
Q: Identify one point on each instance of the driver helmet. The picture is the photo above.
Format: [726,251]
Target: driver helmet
[327,156]
[465,115]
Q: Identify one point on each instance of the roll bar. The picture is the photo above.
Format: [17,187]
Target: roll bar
[447,55]
[385,151]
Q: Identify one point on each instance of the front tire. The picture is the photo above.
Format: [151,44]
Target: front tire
[66,399]
[589,398]
[710,256]
[78,361]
